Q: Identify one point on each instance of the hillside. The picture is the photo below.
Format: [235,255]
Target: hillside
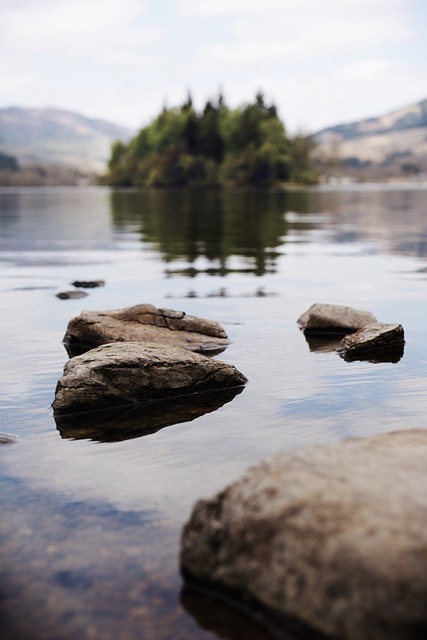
[391,145]
[53,136]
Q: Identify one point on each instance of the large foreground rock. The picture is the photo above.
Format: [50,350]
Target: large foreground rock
[332,537]
[321,318]
[377,341]
[127,373]
[144,323]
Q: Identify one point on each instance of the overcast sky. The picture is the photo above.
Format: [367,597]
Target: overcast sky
[322,62]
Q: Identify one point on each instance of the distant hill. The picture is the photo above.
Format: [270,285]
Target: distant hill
[393,144]
[53,136]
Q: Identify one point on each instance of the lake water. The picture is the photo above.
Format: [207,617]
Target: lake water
[90,529]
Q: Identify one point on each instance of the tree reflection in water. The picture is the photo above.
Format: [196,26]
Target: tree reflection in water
[212,223]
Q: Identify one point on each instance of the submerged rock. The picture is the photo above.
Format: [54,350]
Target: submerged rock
[8,438]
[330,538]
[127,373]
[376,341]
[334,318]
[144,323]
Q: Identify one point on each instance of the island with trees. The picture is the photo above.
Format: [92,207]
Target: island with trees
[247,146]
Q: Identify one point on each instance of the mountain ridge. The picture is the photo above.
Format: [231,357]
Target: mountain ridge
[390,145]
[408,117]
[48,135]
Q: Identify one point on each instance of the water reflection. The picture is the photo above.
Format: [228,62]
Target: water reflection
[91,532]
[225,621]
[124,423]
[53,220]
[323,343]
[223,292]
[391,354]
[256,226]
[215,224]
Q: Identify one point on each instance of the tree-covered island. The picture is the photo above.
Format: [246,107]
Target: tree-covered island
[247,146]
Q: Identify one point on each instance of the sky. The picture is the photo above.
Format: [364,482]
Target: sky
[322,62]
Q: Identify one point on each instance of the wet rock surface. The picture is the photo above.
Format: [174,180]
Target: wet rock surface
[333,318]
[379,341]
[145,323]
[331,538]
[120,374]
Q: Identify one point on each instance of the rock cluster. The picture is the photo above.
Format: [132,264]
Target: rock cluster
[79,285]
[331,538]
[145,374]
[364,337]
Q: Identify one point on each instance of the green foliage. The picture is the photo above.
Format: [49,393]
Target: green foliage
[302,169]
[244,147]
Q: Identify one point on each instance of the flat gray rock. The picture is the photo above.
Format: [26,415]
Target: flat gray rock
[327,318]
[145,323]
[377,339]
[332,538]
[71,295]
[127,373]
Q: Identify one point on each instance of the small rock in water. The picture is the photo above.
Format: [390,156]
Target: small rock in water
[331,318]
[69,295]
[88,284]
[384,342]
[365,337]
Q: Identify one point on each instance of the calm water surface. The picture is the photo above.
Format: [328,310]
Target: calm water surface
[90,530]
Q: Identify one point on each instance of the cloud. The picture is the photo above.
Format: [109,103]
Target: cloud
[347,92]
[54,48]
[78,28]
[294,33]
[111,57]
[285,8]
